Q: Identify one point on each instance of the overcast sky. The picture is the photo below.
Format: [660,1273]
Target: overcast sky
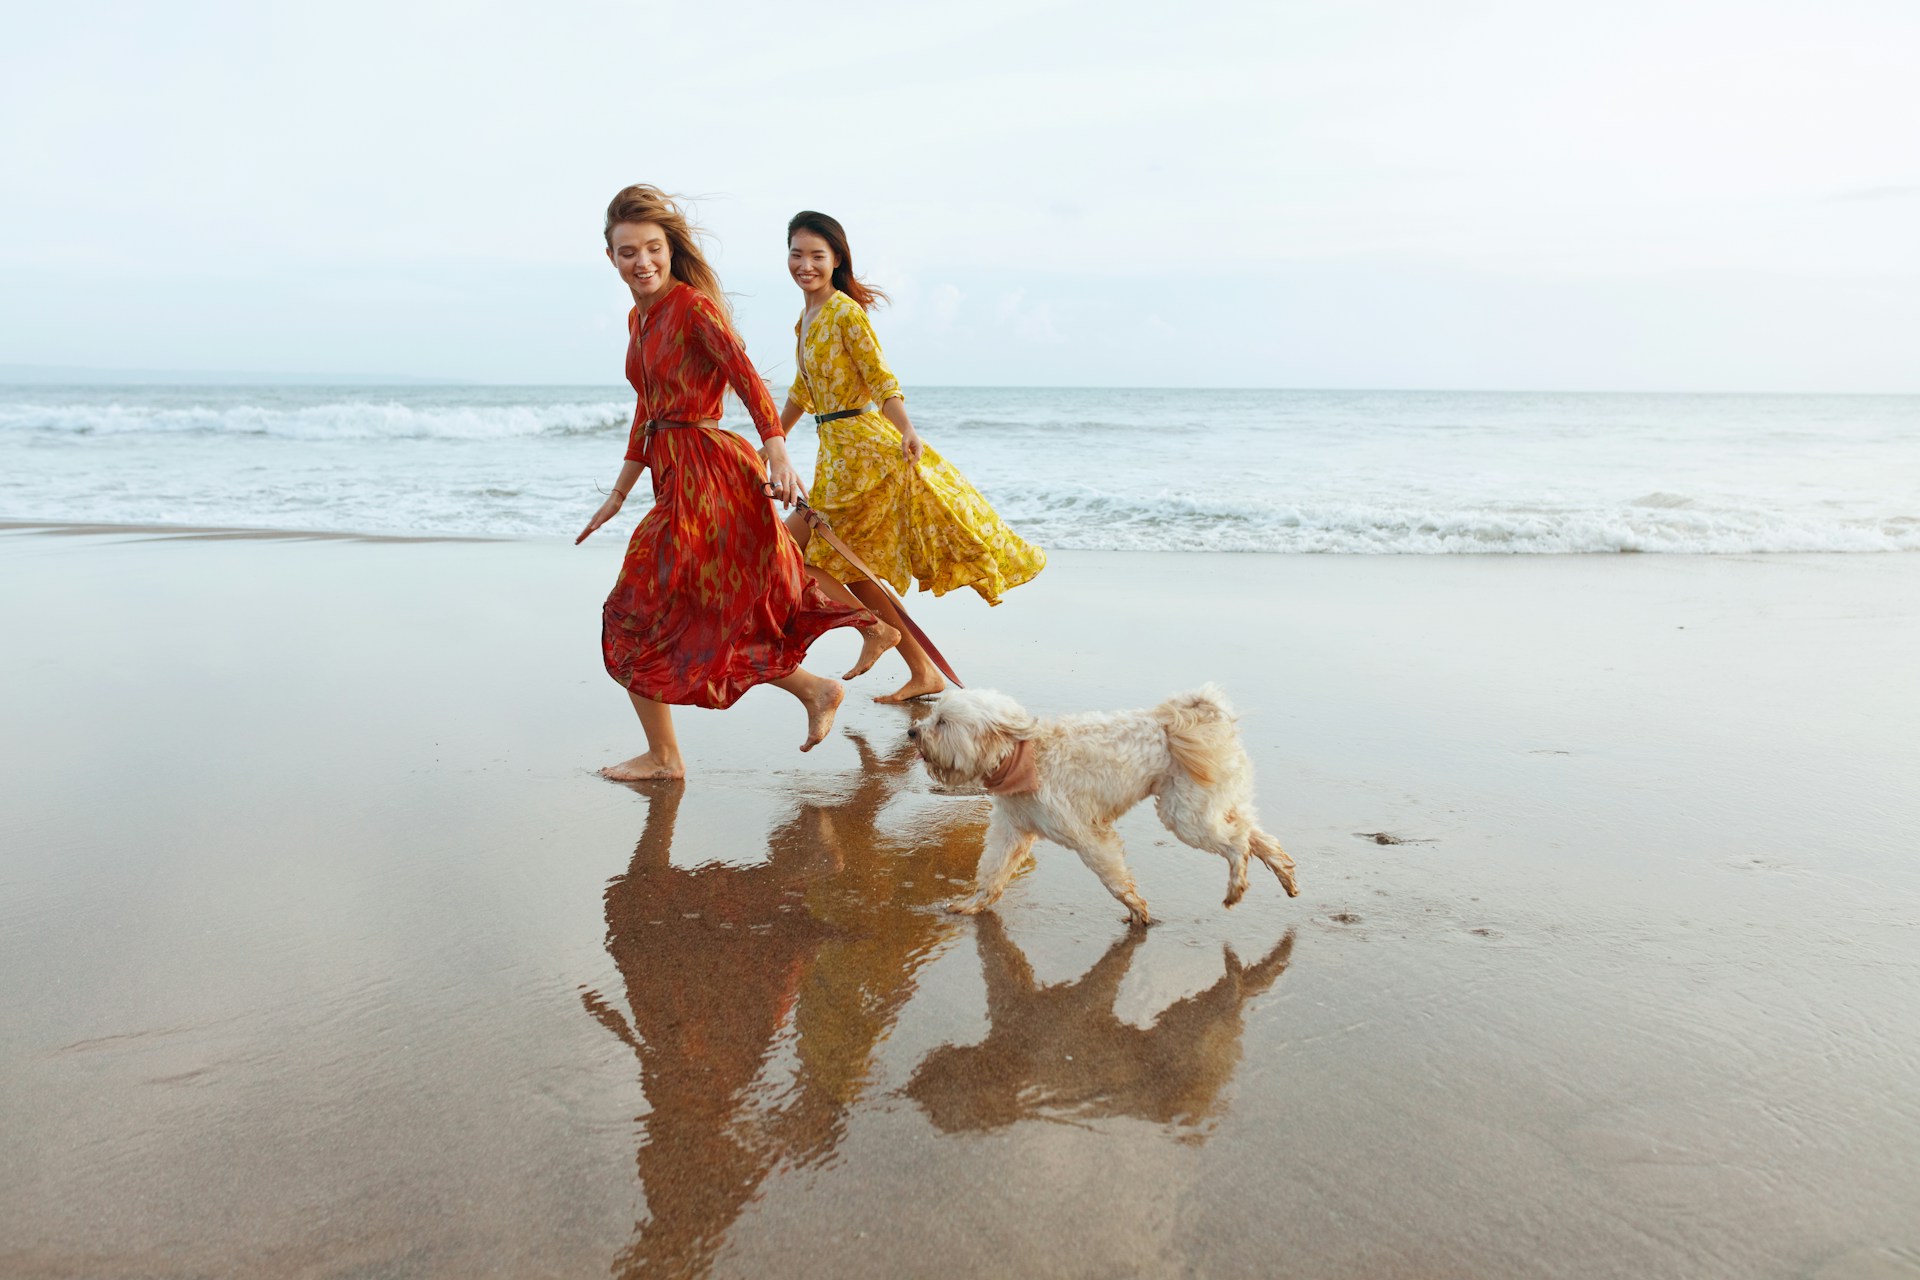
[1681,194]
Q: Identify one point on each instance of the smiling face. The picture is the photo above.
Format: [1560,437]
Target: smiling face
[810,261]
[639,251]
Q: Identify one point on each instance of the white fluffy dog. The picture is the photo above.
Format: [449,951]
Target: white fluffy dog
[1069,779]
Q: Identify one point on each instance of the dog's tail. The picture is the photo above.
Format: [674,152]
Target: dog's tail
[1200,733]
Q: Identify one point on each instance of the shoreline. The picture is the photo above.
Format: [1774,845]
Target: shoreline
[83,528]
[243,533]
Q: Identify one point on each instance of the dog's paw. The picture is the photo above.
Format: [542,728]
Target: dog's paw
[966,907]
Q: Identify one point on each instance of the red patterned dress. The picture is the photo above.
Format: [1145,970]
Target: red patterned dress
[713,597]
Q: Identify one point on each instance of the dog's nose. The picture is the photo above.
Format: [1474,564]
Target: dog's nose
[913,731]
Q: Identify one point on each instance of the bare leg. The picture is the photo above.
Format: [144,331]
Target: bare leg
[875,640]
[796,522]
[922,676]
[1005,850]
[820,696]
[662,759]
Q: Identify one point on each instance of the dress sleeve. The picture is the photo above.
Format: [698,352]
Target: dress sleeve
[857,336]
[799,394]
[714,336]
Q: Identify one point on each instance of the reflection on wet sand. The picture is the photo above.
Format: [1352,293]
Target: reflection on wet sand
[1058,1052]
[715,958]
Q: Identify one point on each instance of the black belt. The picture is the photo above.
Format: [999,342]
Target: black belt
[821,419]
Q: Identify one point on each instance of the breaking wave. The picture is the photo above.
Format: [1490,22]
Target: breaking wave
[332,420]
[1338,473]
[1100,524]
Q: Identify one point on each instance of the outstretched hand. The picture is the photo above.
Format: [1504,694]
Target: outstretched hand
[608,510]
[910,446]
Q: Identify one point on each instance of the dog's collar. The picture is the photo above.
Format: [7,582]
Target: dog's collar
[1015,775]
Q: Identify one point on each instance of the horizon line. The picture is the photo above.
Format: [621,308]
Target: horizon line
[623,392]
[43,375]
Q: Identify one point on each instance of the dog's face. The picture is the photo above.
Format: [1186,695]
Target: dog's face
[969,732]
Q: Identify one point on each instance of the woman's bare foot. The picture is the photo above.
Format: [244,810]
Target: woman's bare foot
[874,641]
[821,704]
[917,686]
[646,768]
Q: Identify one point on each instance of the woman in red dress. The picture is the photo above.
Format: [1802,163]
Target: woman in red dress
[713,597]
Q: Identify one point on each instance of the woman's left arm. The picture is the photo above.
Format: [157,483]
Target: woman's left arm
[723,346]
[863,348]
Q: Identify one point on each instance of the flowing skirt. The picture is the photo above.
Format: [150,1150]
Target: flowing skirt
[713,597]
[928,522]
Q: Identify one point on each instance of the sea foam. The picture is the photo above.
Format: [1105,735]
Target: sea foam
[337,420]
[1214,471]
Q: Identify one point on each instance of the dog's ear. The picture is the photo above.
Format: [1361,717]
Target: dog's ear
[1006,718]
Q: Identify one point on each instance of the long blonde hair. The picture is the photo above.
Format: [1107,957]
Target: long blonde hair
[643,203]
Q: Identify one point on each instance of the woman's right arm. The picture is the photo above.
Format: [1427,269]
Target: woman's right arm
[629,475]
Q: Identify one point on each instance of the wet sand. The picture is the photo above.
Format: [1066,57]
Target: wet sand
[327,954]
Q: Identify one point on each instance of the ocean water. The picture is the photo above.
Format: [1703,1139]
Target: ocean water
[1202,470]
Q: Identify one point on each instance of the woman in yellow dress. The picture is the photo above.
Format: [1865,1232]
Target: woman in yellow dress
[894,501]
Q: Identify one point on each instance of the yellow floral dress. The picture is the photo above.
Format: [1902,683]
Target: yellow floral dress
[927,522]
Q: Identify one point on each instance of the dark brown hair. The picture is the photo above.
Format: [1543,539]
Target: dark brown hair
[830,230]
[642,203]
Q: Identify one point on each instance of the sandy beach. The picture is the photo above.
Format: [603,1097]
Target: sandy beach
[326,952]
